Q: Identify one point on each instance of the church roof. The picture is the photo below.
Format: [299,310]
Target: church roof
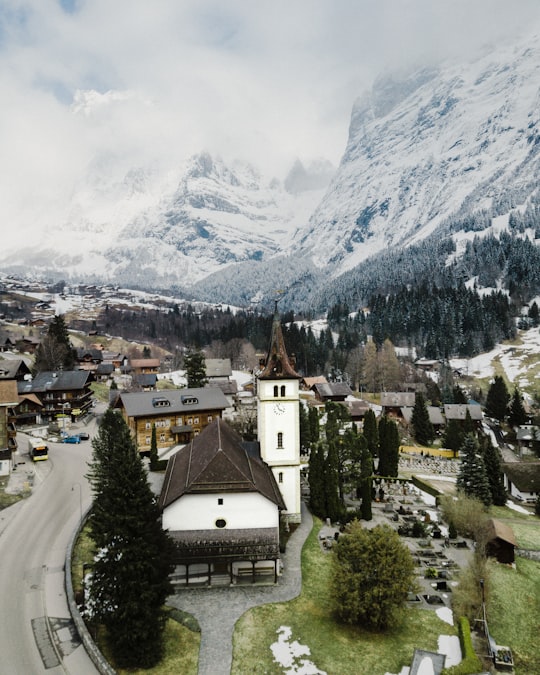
[216,462]
[278,364]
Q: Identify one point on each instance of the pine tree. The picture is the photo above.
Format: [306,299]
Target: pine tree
[388,447]
[331,484]
[314,425]
[472,479]
[195,367]
[366,483]
[154,457]
[494,473]
[130,578]
[516,413]
[371,432]
[55,351]
[422,427]
[453,436]
[497,399]
[317,499]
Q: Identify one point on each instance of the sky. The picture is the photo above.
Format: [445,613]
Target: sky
[108,85]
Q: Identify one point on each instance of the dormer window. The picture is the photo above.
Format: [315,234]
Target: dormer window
[189,400]
[161,402]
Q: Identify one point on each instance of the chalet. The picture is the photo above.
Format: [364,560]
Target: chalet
[229,389]
[14,369]
[393,401]
[435,416]
[427,365]
[522,480]
[28,344]
[66,392]
[28,410]
[144,366]
[104,372]
[332,391]
[8,401]
[221,506]
[307,383]
[357,409]
[178,414]
[526,435]
[499,540]
[218,370]
[89,359]
[145,381]
[458,412]
[7,345]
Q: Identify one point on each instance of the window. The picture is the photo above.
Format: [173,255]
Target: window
[276,391]
[190,420]
[195,420]
[209,418]
[162,438]
[179,421]
[280,477]
[221,523]
[148,425]
[220,501]
[280,439]
[148,440]
[282,390]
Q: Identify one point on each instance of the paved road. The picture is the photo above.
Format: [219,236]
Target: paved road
[37,633]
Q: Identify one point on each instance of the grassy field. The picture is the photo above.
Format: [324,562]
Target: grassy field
[334,647]
[514,612]
[7,499]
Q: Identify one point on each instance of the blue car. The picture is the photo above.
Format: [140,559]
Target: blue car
[71,439]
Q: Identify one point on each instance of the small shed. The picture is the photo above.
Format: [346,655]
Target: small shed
[500,541]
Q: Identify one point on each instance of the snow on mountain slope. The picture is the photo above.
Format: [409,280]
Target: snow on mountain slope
[421,146]
[217,216]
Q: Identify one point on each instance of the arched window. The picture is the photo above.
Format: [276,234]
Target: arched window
[282,390]
[280,477]
[280,439]
[276,391]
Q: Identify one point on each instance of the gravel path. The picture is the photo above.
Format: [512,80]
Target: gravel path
[218,609]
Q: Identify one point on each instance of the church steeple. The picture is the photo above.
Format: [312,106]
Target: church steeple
[277,364]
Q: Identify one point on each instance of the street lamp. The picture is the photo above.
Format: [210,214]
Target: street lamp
[80,499]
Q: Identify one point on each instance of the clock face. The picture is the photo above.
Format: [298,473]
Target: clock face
[279,408]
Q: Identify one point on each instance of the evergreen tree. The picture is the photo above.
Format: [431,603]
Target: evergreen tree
[317,494]
[371,433]
[497,399]
[468,424]
[422,427]
[373,572]
[130,578]
[516,413]
[331,484]
[314,425]
[55,351]
[388,447]
[458,395]
[494,473]
[305,429]
[453,436]
[366,483]
[154,457]
[195,367]
[472,479]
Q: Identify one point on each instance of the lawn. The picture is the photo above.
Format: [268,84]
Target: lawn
[334,647]
[514,612]
[5,498]
[526,528]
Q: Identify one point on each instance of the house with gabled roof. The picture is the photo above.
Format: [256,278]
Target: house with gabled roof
[522,480]
[63,392]
[332,391]
[221,505]
[458,411]
[393,401]
[178,414]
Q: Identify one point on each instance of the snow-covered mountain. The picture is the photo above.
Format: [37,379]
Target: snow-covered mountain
[426,150]
[427,146]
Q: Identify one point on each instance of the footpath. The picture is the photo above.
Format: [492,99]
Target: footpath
[218,609]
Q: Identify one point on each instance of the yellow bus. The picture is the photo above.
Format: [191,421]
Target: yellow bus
[38,449]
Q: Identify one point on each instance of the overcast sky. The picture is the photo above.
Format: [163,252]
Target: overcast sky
[82,81]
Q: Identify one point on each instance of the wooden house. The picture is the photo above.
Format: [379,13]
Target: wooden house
[178,414]
[8,402]
[332,391]
[522,480]
[221,506]
[499,540]
[144,366]
[218,370]
[65,392]
[458,412]
[393,401]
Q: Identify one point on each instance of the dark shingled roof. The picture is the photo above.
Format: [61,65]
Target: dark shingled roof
[277,363]
[62,380]
[524,475]
[216,461]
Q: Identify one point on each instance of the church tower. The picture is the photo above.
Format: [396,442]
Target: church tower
[278,420]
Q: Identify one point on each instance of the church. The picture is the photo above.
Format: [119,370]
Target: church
[224,500]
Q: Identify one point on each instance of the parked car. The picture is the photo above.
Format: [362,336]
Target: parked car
[71,439]
[84,436]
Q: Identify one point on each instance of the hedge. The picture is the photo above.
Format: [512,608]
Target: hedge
[470,663]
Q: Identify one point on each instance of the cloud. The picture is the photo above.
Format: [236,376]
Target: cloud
[156,81]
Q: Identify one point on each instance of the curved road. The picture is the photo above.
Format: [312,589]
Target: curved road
[37,633]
